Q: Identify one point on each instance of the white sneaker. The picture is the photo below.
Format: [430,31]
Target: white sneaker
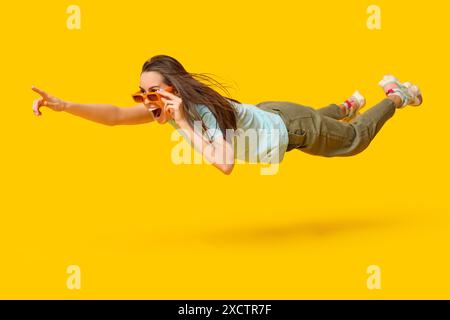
[354,104]
[409,94]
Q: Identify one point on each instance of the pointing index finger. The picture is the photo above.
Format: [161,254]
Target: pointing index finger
[41,92]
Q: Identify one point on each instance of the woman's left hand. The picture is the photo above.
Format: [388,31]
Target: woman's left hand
[172,104]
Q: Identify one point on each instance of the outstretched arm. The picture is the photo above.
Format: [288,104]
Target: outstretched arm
[102,113]
[109,114]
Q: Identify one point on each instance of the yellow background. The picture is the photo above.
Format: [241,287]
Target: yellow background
[109,199]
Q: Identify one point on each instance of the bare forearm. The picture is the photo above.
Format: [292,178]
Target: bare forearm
[199,142]
[101,113]
[207,149]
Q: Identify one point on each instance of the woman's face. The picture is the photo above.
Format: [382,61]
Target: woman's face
[152,81]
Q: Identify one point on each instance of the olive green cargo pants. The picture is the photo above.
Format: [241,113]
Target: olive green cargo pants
[319,131]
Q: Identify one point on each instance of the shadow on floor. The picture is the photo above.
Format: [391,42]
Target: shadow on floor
[298,231]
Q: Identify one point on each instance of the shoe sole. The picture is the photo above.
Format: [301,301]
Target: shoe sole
[415,92]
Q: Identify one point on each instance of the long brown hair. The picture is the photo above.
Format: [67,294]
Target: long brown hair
[192,91]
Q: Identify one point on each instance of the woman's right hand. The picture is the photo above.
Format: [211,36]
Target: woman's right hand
[48,101]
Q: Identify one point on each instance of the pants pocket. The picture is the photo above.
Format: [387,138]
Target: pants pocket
[297,139]
[298,120]
[302,132]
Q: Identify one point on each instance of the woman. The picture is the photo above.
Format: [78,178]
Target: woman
[170,94]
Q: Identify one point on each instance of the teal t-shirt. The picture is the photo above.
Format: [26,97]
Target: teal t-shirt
[261,136]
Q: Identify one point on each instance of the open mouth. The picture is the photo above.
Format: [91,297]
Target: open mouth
[156,112]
